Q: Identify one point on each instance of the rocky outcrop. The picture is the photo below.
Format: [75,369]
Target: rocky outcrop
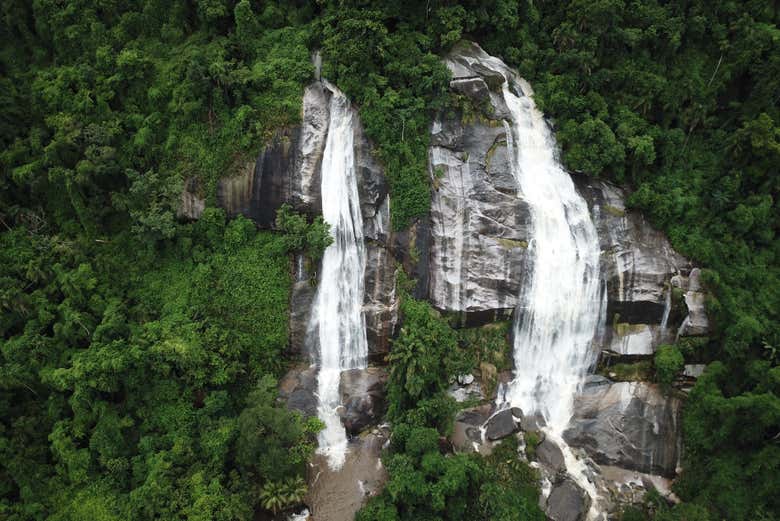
[298,390]
[695,322]
[627,424]
[192,201]
[362,394]
[467,435]
[639,267]
[381,301]
[479,226]
[363,398]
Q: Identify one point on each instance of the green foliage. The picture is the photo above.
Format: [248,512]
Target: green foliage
[419,358]
[668,364]
[276,496]
[489,343]
[397,81]
[425,484]
[132,383]
[300,236]
[628,372]
[729,433]
[510,488]
[129,342]
[532,440]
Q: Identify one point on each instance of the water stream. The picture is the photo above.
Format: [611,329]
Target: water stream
[337,315]
[563,302]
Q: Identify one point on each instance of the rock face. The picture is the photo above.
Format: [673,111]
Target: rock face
[627,424]
[192,201]
[695,322]
[479,226]
[297,390]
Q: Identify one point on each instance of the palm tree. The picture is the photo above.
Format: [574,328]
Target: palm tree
[294,490]
[272,496]
[280,495]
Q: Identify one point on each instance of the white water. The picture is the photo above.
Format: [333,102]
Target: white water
[337,314]
[562,302]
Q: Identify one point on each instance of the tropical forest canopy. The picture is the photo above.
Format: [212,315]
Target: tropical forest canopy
[139,352]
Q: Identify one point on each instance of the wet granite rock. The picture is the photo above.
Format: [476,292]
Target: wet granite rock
[549,454]
[696,322]
[192,201]
[466,431]
[298,389]
[627,424]
[502,424]
[363,398]
[567,502]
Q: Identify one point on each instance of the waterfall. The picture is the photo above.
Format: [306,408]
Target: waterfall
[337,315]
[562,303]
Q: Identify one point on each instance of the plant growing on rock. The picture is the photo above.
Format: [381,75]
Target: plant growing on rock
[300,235]
[669,362]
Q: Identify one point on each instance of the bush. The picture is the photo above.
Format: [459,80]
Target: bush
[669,362]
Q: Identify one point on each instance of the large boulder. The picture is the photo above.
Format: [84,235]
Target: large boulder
[567,502]
[467,430]
[627,424]
[298,389]
[503,423]
[363,398]
[549,454]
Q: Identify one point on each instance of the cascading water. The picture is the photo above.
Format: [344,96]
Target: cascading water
[337,315]
[562,303]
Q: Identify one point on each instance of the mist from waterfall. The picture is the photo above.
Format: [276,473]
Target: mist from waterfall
[562,303]
[337,316]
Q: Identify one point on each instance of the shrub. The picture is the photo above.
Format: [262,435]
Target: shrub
[669,362]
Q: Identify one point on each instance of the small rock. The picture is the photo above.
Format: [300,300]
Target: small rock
[501,425]
[694,370]
[465,379]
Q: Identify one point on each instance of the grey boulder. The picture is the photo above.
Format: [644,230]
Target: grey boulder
[567,502]
[627,424]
